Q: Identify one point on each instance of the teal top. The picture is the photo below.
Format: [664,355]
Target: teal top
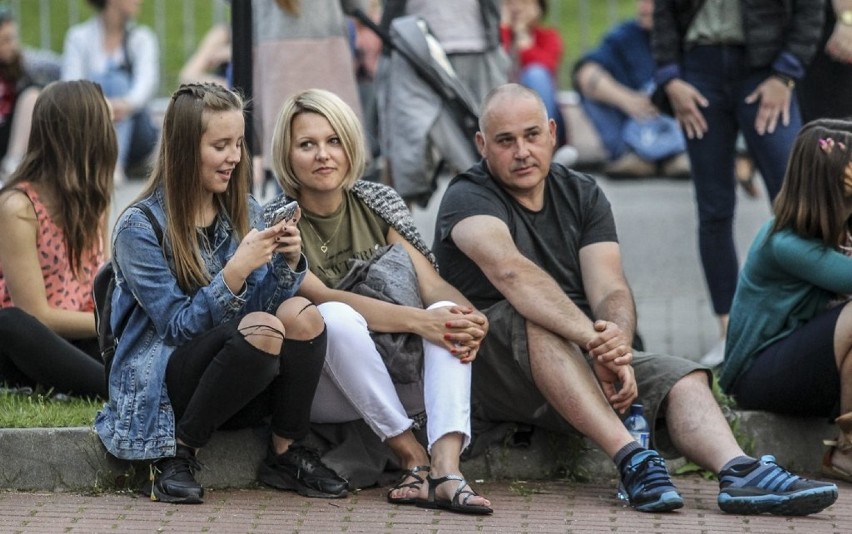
[785,282]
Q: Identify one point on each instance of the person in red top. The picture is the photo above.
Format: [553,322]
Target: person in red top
[53,212]
[536,52]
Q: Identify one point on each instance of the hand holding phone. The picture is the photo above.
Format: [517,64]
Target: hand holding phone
[285,212]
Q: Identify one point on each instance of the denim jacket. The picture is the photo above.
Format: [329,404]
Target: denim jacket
[137,423]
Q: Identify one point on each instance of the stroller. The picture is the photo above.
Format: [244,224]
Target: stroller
[427,118]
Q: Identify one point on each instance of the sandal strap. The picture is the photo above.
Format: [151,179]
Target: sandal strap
[418,480]
[417,468]
[435,482]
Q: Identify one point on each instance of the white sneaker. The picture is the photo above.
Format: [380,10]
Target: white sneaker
[714,356]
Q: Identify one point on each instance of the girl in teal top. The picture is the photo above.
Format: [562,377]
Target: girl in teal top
[790,337]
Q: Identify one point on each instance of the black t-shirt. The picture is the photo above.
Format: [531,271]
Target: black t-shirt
[576,213]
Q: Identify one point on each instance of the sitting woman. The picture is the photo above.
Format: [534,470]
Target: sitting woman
[53,212]
[318,155]
[204,339]
[789,344]
[112,50]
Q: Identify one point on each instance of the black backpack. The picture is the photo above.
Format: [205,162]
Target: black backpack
[102,290]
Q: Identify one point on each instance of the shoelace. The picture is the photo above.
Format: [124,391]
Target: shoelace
[650,473]
[180,464]
[766,474]
[307,458]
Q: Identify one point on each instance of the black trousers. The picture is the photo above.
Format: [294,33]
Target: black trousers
[220,380]
[31,354]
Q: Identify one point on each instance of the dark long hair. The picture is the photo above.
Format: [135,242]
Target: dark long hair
[72,152]
[812,202]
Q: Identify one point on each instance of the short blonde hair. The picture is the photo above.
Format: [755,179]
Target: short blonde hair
[343,121]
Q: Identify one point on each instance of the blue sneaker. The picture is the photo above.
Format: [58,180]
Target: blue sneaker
[647,484]
[764,487]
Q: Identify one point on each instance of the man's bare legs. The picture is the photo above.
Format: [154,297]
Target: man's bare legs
[565,379]
[696,424]
[568,383]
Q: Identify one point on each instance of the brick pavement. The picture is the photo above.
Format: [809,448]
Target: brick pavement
[540,507]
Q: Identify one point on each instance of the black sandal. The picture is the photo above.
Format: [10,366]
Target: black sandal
[457,503]
[416,484]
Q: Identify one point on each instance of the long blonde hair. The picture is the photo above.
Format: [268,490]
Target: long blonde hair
[71,152]
[178,170]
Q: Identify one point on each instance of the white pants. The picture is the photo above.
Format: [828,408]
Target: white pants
[355,383]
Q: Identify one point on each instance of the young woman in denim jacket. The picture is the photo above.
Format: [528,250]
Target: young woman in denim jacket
[210,335]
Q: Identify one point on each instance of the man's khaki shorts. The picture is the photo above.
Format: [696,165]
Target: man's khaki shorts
[503,388]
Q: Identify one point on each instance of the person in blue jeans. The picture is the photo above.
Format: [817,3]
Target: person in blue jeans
[615,81]
[123,58]
[725,67]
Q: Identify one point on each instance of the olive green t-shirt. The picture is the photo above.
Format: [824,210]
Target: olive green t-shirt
[354,231]
[717,22]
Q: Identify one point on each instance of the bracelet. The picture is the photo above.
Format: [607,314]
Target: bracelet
[786,80]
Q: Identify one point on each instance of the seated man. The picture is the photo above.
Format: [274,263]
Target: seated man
[533,245]
[614,81]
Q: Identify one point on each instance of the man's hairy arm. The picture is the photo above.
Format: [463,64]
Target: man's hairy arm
[531,291]
[610,299]
[597,84]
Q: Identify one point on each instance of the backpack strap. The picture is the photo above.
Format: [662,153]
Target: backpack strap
[158,231]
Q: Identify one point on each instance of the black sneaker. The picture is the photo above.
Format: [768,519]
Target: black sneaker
[648,485]
[173,479]
[764,487]
[300,469]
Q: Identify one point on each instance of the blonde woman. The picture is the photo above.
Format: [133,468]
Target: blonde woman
[318,155]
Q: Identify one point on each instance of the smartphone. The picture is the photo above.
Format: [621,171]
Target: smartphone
[284,212]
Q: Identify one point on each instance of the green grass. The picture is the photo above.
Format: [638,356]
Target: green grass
[39,410]
[579,33]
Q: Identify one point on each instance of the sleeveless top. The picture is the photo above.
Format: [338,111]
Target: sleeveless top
[63,290]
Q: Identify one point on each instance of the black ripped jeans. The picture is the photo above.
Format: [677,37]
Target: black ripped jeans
[220,380]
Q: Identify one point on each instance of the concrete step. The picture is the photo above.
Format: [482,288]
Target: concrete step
[63,459]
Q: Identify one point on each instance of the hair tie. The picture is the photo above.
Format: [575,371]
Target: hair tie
[827,144]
